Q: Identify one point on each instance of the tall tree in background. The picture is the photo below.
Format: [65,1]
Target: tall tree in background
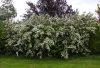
[98,10]
[7,10]
[50,7]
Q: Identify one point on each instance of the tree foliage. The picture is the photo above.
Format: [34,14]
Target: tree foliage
[95,41]
[7,10]
[2,36]
[51,7]
[98,10]
[44,36]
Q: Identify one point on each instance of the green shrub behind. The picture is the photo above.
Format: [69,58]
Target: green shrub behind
[95,41]
[2,36]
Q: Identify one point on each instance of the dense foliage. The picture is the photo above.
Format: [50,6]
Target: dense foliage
[46,36]
[95,41]
[7,10]
[98,10]
[2,36]
[51,7]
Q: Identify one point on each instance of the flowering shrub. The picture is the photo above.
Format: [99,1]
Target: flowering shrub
[44,36]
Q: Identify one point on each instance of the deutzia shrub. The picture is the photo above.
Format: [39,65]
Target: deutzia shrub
[46,36]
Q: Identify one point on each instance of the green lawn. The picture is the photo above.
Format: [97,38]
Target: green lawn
[19,62]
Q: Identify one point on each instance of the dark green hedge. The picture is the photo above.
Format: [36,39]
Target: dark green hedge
[95,41]
[2,37]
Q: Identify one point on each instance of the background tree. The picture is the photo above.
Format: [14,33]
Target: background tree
[50,7]
[98,10]
[7,10]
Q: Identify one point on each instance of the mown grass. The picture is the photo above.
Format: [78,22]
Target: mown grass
[20,62]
